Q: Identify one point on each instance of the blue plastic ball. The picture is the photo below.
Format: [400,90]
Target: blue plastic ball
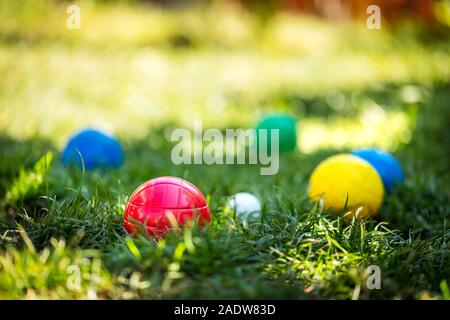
[387,166]
[95,148]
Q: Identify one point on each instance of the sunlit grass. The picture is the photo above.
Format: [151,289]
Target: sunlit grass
[143,88]
[114,72]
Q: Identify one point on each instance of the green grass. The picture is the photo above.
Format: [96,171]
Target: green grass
[388,89]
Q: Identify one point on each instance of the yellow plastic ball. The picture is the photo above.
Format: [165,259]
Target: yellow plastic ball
[347,181]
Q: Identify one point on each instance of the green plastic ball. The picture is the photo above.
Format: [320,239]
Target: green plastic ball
[287,127]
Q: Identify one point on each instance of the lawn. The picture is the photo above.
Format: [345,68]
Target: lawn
[141,72]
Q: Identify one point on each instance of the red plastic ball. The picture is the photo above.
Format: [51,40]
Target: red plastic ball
[155,203]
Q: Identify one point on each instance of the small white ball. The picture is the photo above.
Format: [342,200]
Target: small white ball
[245,205]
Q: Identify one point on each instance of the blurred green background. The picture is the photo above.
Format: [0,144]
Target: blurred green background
[135,65]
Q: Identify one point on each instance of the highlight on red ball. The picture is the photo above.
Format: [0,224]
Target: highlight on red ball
[164,204]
